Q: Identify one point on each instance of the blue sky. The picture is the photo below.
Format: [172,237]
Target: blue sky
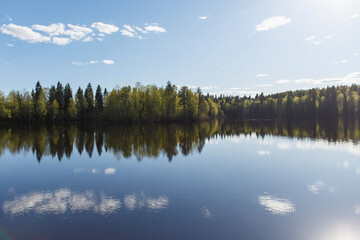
[227,46]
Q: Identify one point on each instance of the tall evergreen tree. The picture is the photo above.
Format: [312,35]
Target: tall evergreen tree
[67,95]
[60,96]
[99,102]
[80,103]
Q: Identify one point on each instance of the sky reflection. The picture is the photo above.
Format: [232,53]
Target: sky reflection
[277,206]
[62,200]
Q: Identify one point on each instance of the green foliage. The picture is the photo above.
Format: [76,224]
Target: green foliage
[151,104]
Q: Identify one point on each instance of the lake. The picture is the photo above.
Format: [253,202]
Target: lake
[208,180]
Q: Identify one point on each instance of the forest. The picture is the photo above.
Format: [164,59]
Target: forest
[155,104]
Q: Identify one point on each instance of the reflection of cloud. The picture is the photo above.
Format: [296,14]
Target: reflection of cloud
[284,145]
[320,186]
[59,202]
[263,153]
[278,206]
[133,201]
[206,212]
[318,144]
[357,209]
[62,200]
[109,171]
[157,203]
[346,164]
[358,171]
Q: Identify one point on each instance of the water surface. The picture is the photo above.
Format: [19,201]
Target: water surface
[211,180]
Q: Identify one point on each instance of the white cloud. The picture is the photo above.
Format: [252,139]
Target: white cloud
[79,63]
[93,62]
[277,206]
[101,35]
[23,33]
[282,81]
[263,85]
[209,87]
[105,28]
[262,75]
[108,61]
[354,16]
[61,41]
[77,32]
[140,30]
[87,39]
[328,36]
[110,171]
[343,61]
[317,42]
[53,30]
[129,28]
[9,44]
[153,27]
[310,38]
[303,80]
[203,17]
[127,33]
[356,54]
[272,22]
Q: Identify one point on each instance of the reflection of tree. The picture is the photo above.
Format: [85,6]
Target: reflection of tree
[153,140]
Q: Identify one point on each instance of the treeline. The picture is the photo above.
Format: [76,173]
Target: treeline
[138,104]
[151,104]
[154,140]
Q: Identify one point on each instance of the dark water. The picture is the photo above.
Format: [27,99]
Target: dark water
[211,180]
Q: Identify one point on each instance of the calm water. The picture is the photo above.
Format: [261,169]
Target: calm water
[218,180]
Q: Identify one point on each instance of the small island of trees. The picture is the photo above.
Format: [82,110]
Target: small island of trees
[153,104]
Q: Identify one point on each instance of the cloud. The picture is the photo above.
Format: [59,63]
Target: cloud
[317,42]
[9,44]
[352,78]
[304,80]
[263,85]
[127,33]
[262,75]
[87,39]
[110,171]
[140,30]
[105,28]
[342,61]
[282,81]
[310,38]
[203,17]
[77,32]
[93,62]
[53,29]
[61,41]
[277,206]
[153,27]
[272,22]
[108,61]
[209,87]
[23,33]
[354,16]
[356,54]
[79,63]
